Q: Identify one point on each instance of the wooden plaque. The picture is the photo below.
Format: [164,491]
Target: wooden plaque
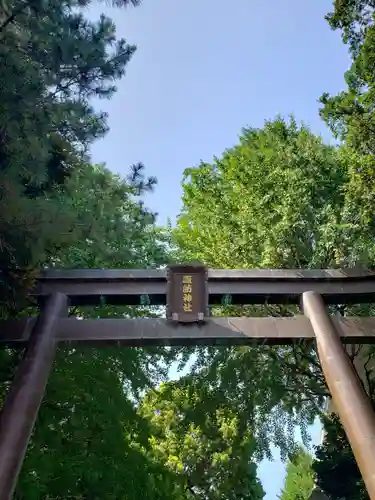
[187,293]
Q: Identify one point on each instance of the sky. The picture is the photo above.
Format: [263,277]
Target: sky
[203,70]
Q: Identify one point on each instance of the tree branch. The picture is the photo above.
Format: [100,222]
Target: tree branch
[13,16]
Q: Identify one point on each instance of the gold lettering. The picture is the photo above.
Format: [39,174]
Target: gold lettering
[188,307]
[187,289]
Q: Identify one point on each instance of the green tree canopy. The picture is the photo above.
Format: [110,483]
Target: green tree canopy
[336,469]
[274,200]
[350,114]
[56,62]
[199,436]
[281,198]
[89,439]
[59,210]
[266,202]
[300,477]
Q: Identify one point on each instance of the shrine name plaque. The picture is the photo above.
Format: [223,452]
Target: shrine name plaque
[187,293]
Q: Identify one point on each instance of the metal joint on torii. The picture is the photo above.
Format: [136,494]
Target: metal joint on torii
[188,291]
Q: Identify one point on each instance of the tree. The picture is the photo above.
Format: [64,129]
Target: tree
[88,435]
[274,200]
[336,469]
[350,114]
[59,210]
[56,62]
[116,229]
[300,477]
[281,198]
[14,9]
[89,440]
[198,435]
[272,196]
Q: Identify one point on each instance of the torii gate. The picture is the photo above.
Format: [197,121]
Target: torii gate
[188,291]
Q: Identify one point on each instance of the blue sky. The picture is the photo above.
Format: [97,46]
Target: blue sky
[203,70]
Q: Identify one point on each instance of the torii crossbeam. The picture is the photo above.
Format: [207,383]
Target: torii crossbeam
[188,291]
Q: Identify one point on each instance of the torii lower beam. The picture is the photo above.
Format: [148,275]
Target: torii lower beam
[215,331]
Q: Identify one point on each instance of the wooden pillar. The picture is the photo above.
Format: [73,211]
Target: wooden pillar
[348,395]
[21,405]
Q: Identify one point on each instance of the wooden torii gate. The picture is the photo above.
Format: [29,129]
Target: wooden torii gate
[188,291]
